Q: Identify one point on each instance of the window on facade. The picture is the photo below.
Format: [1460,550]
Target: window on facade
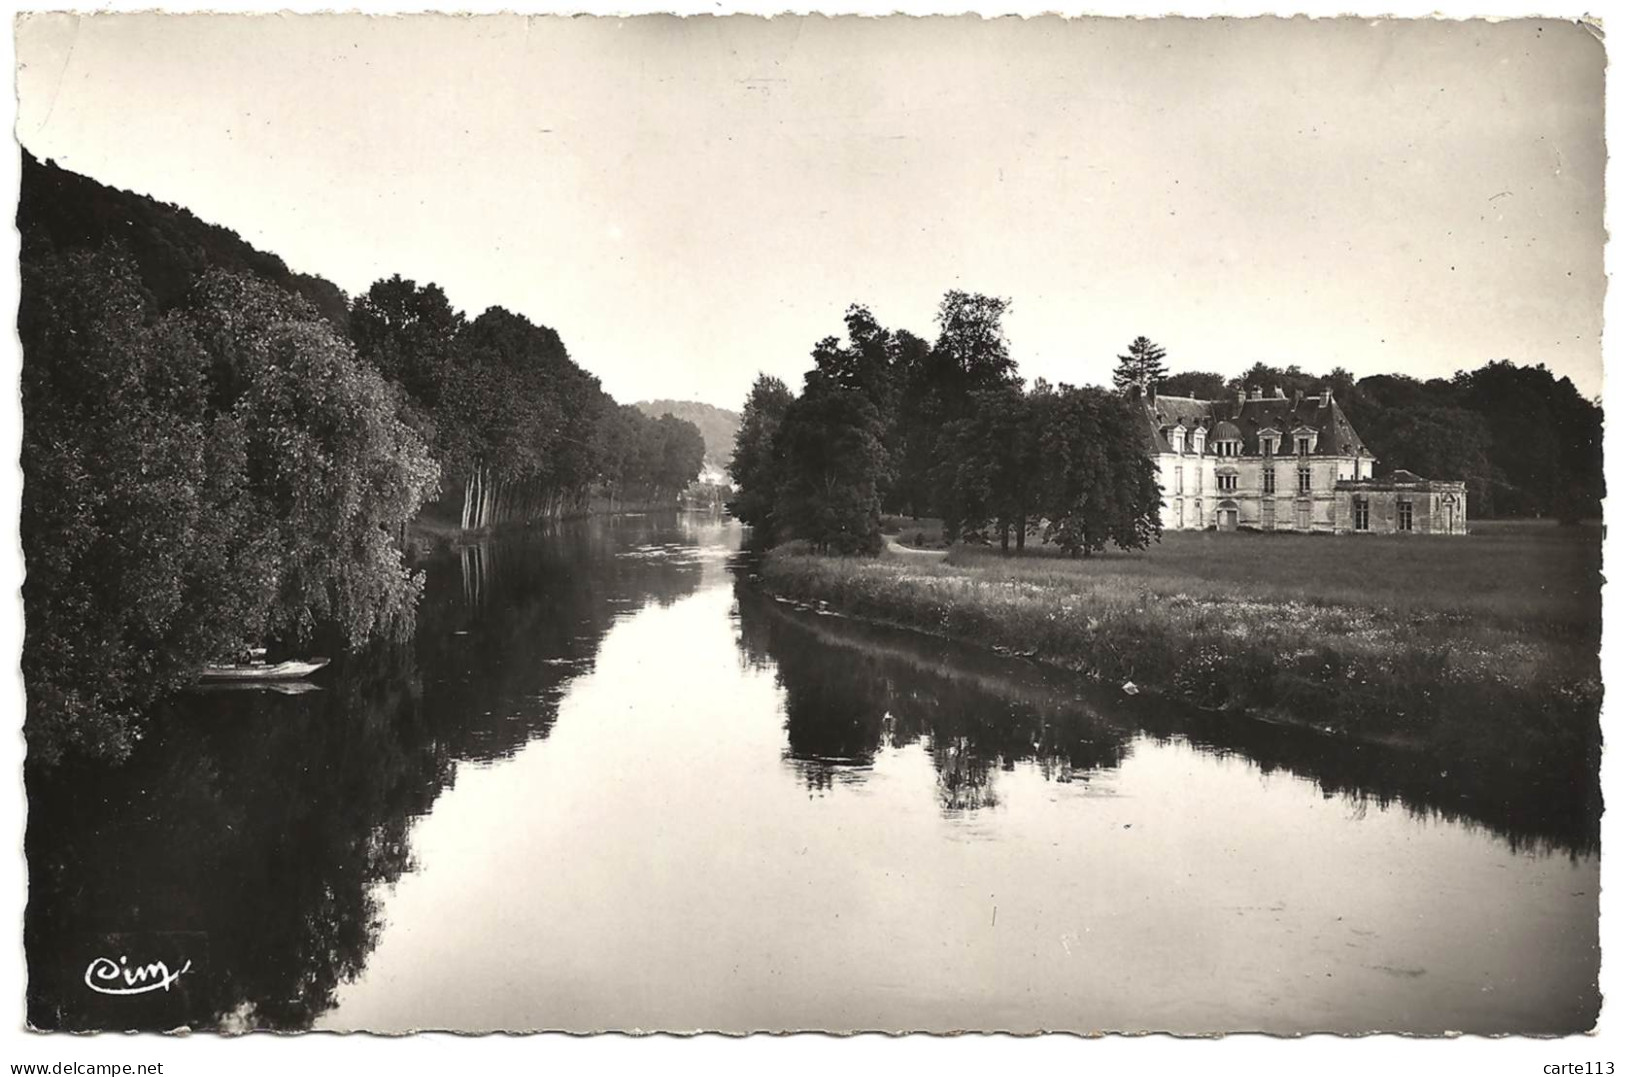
[1303,446]
[1227,483]
[1269,480]
[1362,515]
[1198,512]
[1179,480]
[1404,515]
[1303,480]
[1198,478]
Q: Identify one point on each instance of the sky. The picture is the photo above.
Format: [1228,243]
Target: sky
[690,202]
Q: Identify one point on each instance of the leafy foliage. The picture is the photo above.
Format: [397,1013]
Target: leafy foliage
[1197,384]
[515,423]
[886,421]
[754,467]
[1525,441]
[1099,486]
[220,453]
[196,482]
[58,210]
[993,463]
[716,425]
[1144,365]
[832,464]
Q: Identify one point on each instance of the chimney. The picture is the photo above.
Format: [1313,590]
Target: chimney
[1241,397]
[1255,393]
[1279,393]
[1297,398]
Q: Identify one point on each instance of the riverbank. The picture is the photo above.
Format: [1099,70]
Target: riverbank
[1483,648]
[433,531]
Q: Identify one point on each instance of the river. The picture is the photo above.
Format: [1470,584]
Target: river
[613,786]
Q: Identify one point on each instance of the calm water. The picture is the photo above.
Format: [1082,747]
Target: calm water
[613,786]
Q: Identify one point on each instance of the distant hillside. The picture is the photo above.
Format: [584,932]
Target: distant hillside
[62,210]
[717,425]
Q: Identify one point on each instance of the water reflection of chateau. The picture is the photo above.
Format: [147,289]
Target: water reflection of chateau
[253,831]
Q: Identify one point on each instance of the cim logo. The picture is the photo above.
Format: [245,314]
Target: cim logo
[108,977]
[160,965]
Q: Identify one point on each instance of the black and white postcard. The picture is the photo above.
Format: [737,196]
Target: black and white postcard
[806,524]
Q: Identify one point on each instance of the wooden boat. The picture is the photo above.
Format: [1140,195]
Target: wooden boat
[260,670]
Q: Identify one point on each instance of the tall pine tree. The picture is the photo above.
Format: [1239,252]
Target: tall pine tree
[1142,366]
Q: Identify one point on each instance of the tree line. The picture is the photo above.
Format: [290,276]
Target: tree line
[520,431]
[887,422]
[217,457]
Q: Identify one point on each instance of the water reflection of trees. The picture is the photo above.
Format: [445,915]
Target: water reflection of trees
[253,830]
[852,689]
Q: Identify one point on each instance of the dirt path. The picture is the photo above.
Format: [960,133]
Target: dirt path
[893,546]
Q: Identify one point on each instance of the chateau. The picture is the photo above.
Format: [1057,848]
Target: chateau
[1279,463]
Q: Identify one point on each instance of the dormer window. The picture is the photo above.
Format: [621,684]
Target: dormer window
[1199,440]
[1303,445]
[1269,441]
[1304,439]
[1176,437]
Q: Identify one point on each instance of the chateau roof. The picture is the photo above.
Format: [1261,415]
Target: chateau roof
[1323,415]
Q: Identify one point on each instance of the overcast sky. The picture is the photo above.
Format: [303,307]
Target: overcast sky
[690,201]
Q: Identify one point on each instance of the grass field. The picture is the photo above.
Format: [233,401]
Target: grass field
[1480,644]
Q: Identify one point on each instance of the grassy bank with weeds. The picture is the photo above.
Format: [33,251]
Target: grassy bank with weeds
[1481,648]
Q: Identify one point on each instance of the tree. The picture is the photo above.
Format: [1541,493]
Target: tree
[1098,485]
[916,425]
[116,453]
[994,463]
[1142,366]
[1546,439]
[523,422]
[1525,441]
[1289,379]
[831,462]
[971,354]
[682,453]
[409,335]
[169,249]
[1435,441]
[225,475]
[1198,384]
[754,466]
[971,348]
